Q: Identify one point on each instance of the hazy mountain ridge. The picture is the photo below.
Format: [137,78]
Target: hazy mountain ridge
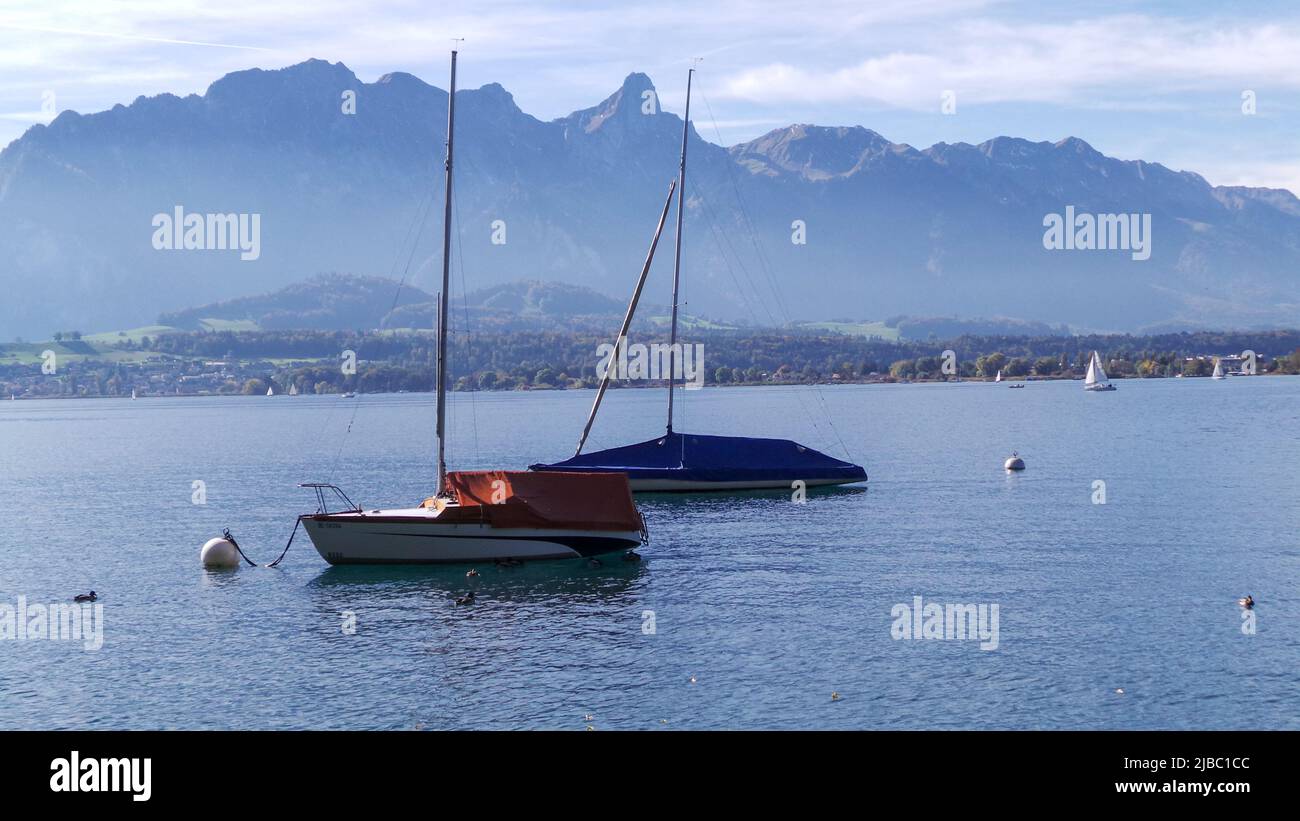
[341,302]
[517,306]
[917,328]
[953,229]
[327,302]
[336,302]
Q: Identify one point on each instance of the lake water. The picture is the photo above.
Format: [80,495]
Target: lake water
[770,605]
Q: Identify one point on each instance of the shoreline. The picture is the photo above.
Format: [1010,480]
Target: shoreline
[661,386]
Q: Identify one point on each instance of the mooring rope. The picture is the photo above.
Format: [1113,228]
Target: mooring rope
[228,537]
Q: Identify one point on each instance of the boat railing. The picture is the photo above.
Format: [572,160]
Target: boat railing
[322,500]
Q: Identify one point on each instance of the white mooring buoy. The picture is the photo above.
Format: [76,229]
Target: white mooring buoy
[219,553]
[1014,462]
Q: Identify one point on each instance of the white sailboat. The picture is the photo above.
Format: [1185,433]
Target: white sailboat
[998,378]
[270,391]
[1218,370]
[133,394]
[479,515]
[293,389]
[1096,379]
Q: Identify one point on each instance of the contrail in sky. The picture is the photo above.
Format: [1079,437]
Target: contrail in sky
[114,35]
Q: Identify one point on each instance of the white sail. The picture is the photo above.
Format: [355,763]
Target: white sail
[1096,373]
[998,378]
[293,389]
[1101,372]
[1218,369]
[270,391]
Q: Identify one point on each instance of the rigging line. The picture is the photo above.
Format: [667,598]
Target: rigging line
[724,239]
[420,214]
[320,432]
[753,235]
[771,279]
[344,439]
[798,395]
[419,218]
[468,348]
[467,160]
[681,405]
[753,315]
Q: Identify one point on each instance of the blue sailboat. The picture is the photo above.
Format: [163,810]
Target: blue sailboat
[695,462]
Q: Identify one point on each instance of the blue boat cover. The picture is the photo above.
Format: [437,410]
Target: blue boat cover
[694,457]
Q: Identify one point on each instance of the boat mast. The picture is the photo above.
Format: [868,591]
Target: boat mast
[621,340]
[446,279]
[677,260]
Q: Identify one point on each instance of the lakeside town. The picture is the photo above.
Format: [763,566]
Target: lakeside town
[258,363]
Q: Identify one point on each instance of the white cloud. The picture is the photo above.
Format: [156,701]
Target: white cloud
[1103,62]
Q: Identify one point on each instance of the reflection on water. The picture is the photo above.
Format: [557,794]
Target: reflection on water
[768,604]
[567,579]
[732,498]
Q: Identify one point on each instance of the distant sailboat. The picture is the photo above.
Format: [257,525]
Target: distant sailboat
[693,462]
[270,391]
[998,378]
[293,389]
[1096,379]
[1218,370]
[133,394]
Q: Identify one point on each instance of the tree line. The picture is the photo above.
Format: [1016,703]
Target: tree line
[557,359]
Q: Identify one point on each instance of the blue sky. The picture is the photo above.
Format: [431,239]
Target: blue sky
[1160,81]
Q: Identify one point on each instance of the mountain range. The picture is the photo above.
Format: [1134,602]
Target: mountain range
[886,229]
[341,302]
[338,302]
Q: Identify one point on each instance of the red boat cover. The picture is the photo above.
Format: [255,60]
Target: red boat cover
[587,501]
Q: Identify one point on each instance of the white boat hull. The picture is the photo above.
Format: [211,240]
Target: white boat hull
[389,538]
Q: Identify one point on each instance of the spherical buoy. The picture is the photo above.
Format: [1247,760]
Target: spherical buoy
[219,553]
[1014,463]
